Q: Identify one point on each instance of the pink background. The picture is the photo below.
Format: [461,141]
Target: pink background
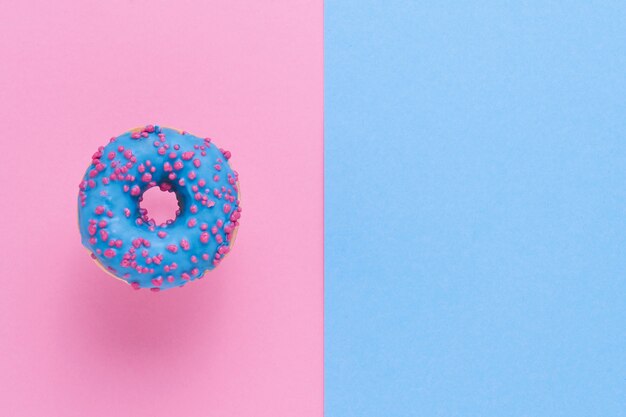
[246,341]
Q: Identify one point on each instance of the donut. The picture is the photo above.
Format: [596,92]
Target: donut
[120,235]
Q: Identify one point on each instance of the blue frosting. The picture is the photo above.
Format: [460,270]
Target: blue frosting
[130,245]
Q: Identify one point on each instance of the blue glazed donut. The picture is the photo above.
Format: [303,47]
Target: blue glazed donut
[120,235]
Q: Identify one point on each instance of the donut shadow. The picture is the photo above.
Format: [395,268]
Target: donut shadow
[111,320]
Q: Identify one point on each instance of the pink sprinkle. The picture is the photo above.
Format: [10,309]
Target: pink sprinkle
[135,191]
[178,165]
[161,234]
[147,177]
[219,238]
[191,223]
[220,223]
[126,188]
[127,212]
[172,248]
[181,182]
[137,242]
[135,135]
[172,155]
[204,237]
[99,210]
[185,276]
[191,175]
[135,285]
[141,168]
[184,243]
[194,259]
[161,151]
[193,209]
[105,180]
[93,240]
[157,281]
[102,223]
[216,178]
[172,176]
[226,208]
[227,154]
[167,167]
[128,154]
[195,271]
[217,167]
[111,155]
[197,163]
[170,278]
[109,253]
[104,235]
[187,155]
[202,183]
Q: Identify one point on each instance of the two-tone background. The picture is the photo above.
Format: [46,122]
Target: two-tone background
[434,208]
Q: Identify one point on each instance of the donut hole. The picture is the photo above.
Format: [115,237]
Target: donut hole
[160,206]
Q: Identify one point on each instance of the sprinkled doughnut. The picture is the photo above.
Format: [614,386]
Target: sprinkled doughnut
[120,235]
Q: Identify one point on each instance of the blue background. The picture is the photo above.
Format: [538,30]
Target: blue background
[475,208]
